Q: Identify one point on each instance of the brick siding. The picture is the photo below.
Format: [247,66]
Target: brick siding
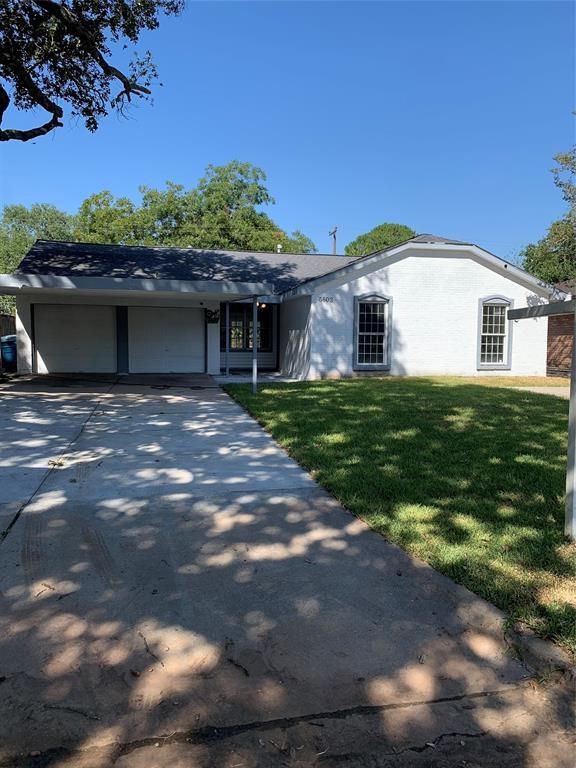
[559,358]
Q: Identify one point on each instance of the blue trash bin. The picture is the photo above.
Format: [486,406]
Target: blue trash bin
[9,357]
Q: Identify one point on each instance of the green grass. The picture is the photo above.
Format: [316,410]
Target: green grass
[468,477]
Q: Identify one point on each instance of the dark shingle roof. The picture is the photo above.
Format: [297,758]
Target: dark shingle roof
[284,270]
[436,239]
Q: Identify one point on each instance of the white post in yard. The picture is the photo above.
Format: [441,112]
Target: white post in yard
[570,522]
[227,329]
[254,345]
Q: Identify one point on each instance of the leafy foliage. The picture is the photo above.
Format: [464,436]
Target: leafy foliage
[553,258]
[20,227]
[381,237]
[564,178]
[222,211]
[53,52]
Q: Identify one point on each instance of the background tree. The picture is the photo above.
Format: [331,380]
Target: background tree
[54,53]
[565,179]
[553,258]
[381,237]
[222,211]
[20,227]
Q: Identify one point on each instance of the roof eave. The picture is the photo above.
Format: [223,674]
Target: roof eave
[18,283]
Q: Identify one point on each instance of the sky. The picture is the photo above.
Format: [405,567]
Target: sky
[444,116]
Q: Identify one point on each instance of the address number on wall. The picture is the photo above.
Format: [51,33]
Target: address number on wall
[325,299]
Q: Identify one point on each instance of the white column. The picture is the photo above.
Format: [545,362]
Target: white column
[227,329]
[24,343]
[570,524]
[254,344]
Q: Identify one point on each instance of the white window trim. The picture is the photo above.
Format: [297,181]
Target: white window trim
[387,301]
[507,364]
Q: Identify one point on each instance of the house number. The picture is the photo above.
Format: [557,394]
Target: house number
[328,299]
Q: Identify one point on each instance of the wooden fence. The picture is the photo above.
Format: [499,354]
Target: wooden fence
[7,324]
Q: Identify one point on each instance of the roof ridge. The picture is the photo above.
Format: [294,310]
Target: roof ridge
[190,248]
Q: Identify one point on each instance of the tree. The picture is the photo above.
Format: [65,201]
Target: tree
[564,178]
[20,227]
[553,258]
[102,218]
[59,52]
[381,237]
[222,211]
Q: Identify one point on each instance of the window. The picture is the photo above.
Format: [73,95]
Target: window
[372,321]
[494,343]
[241,328]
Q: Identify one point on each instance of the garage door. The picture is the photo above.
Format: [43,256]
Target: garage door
[165,340]
[73,338]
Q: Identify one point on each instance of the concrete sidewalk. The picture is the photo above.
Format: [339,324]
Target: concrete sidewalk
[563,392]
[178,591]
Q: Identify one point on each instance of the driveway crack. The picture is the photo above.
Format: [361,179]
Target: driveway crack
[211,734]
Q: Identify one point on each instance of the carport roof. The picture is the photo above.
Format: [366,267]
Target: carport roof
[85,260]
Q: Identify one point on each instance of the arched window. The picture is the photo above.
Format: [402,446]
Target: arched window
[372,336]
[494,333]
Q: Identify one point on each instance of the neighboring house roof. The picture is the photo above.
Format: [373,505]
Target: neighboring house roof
[567,286]
[286,272]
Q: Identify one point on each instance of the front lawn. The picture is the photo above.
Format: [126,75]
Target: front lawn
[467,477]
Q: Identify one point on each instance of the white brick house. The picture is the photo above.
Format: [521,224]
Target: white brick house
[427,306]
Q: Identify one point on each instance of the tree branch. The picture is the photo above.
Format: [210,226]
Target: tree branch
[77,27]
[9,134]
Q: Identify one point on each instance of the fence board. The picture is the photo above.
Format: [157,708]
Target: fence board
[7,324]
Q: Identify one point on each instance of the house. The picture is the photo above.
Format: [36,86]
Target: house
[430,305]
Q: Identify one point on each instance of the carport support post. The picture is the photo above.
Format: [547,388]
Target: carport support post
[570,523]
[227,329]
[254,344]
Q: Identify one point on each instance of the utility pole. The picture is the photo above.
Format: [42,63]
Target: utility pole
[332,234]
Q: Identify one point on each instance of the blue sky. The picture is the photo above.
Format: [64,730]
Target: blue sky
[441,115]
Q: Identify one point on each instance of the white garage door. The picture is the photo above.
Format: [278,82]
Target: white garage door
[73,338]
[165,340]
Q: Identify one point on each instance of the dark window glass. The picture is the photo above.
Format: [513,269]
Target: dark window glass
[493,337]
[241,328]
[372,332]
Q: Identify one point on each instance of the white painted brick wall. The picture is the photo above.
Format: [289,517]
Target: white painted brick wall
[434,318]
[295,337]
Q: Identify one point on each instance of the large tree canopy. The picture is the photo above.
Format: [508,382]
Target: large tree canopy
[553,258]
[57,53]
[381,237]
[224,210]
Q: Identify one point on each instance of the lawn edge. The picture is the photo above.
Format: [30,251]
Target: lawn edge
[545,657]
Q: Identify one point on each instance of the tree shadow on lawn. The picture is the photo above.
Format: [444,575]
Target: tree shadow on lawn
[467,477]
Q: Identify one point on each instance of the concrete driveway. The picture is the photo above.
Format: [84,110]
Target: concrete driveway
[176,590]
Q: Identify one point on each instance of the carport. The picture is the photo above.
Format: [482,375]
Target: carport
[122,325]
